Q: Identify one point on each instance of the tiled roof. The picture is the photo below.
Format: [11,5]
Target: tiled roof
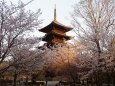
[49,27]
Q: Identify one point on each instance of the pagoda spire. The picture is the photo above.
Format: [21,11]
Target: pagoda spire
[55,13]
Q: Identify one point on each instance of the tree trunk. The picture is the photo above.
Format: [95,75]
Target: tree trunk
[46,82]
[26,81]
[15,78]
[113,77]
[99,77]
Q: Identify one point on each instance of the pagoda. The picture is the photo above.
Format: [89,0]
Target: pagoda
[55,32]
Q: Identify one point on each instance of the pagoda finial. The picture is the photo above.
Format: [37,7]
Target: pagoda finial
[55,13]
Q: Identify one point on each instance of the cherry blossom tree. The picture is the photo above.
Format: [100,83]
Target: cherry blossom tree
[25,59]
[15,22]
[94,23]
[63,60]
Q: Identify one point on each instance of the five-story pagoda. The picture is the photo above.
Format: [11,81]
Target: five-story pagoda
[55,32]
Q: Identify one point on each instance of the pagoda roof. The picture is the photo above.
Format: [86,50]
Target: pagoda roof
[53,24]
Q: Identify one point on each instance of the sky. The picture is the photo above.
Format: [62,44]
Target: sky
[63,7]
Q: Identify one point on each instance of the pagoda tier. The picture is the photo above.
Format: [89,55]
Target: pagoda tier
[55,37]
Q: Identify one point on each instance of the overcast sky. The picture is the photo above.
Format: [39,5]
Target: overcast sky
[64,8]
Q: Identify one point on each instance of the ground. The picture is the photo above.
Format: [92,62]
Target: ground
[53,83]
